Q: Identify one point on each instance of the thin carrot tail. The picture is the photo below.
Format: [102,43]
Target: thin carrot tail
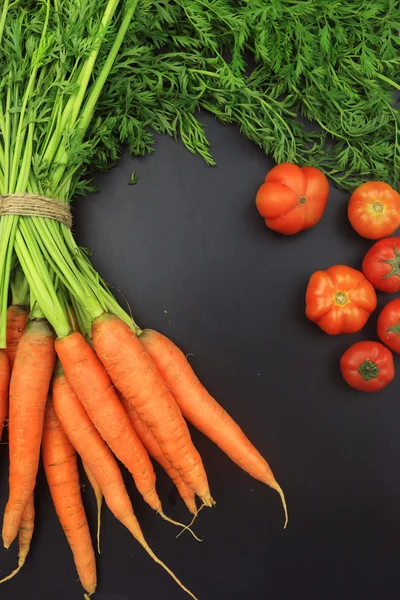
[192,522]
[167,569]
[25,537]
[184,527]
[131,523]
[275,486]
[99,500]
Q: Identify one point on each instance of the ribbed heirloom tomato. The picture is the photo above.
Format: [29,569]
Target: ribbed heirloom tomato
[339,300]
[389,325]
[367,366]
[292,198]
[374,210]
[381,265]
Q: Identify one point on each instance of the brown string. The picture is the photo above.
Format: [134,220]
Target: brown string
[33,205]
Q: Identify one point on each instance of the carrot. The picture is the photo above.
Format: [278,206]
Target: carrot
[137,378]
[26,526]
[99,500]
[97,456]
[94,389]
[33,367]
[4,387]
[153,448]
[24,537]
[61,468]
[16,322]
[204,412]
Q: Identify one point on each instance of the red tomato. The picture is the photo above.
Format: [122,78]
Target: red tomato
[389,325]
[374,210]
[339,299]
[292,198]
[381,265]
[367,366]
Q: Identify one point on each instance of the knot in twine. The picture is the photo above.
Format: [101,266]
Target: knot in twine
[33,205]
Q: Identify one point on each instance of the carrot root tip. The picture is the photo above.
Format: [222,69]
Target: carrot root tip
[275,486]
[164,566]
[208,501]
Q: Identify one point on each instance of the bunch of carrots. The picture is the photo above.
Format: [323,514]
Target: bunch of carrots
[77,374]
[126,395]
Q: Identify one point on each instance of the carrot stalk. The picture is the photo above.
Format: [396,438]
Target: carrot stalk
[99,500]
[204,412]
[97,456]
[33,367]
[153,448]
[24,537]
[137,378]
[61,468]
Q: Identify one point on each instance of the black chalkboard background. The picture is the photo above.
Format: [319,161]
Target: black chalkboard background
[190,253]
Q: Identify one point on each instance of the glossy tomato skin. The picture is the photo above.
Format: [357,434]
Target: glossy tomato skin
[381,265]
[367,366]
[389,325]
[339,300]
[292,198]
[374,210]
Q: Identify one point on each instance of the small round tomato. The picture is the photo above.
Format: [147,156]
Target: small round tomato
[374,210]
[381,265]
[292,198]
[339,300]
[389,325]
[367,366]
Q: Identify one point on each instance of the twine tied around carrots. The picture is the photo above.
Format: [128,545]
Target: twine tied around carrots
[34,205]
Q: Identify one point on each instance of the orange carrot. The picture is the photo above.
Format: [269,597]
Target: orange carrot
[16,323]
[203,411]
[24,537]
[94,389]
[98,457]
[99,500]
[4,388]
[137,378]
[153,448]
[29,386]
[61,468]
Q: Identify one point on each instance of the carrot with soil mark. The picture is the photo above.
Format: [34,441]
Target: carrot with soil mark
[204,412]
[135,375]
[153,448]
[94,389]
[17,316]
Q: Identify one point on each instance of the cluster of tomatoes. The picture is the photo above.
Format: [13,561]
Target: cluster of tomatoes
[341,299]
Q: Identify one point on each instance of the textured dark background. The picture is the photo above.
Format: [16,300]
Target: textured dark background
[189,251]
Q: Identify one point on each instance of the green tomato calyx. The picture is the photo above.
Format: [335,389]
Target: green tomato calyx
[368,370]
[394,264]
[394,328]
